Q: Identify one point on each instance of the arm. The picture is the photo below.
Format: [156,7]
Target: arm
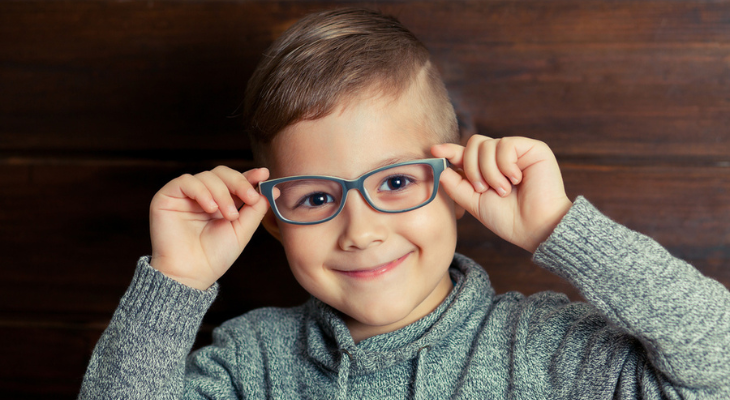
[197,233]
[682,319]
[142,352]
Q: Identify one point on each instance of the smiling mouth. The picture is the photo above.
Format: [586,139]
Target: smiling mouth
[377,271]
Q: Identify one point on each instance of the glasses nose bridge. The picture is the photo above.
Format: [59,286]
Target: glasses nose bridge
[358,185]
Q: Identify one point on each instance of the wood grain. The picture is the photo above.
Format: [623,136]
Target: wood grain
[594,77]
[103,102]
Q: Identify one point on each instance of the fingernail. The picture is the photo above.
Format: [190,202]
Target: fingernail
[252,193]
[514,180]
[233,210]
[480,187]
[501,192]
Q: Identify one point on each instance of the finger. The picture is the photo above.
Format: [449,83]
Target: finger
[450,151]
[489,169]
[508,155]
[242,184]
[188,186]
[254,176]
[250,217]
[531,152]
[478,151]
[251,195]
[462,192]
[220,192]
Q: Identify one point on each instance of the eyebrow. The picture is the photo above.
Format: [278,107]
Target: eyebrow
[384,163]
[395,160]
[300,182]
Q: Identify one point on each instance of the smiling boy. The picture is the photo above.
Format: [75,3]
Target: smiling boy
[350,98]
[383,271]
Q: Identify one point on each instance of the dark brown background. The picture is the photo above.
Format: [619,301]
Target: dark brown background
[103,102]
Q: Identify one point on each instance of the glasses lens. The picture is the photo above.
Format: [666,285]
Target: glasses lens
[401,187]
[308,200]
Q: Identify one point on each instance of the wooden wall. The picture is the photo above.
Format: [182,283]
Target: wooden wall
[103,102]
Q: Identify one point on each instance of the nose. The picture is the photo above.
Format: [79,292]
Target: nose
[363,226]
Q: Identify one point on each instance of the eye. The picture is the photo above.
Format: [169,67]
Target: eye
[395,183]
[317,199]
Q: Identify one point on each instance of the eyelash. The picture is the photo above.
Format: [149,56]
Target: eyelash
[408,182]
[309,196]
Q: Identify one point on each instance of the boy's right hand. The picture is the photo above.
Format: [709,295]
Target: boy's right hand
[197,232]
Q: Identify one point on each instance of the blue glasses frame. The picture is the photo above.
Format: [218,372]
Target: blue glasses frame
[438,165]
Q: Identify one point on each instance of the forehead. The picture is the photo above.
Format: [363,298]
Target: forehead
[357,137]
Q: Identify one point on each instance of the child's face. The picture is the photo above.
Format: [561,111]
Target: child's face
[384,271]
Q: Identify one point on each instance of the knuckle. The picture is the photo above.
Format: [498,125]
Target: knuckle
[203,174]
[240,179]
[475,139]
[486,147]
[220,169]
[185,180]
[507,140]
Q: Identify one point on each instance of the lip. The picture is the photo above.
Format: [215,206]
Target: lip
[376,271]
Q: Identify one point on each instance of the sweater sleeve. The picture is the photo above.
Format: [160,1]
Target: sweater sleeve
[680,317]
[142,352]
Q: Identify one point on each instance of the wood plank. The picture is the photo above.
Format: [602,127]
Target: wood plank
[44,361]
[614,77]
[110,75]
[612,101]
[568,21]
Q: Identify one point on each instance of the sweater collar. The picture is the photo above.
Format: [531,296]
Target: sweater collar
[328,339]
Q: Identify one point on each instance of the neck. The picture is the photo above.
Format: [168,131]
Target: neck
[361,331]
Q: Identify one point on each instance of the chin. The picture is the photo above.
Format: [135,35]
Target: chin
[384,315]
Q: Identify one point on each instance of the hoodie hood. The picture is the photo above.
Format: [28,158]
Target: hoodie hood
[330,344]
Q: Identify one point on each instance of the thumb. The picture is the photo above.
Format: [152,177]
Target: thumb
[460,190]
[249,218]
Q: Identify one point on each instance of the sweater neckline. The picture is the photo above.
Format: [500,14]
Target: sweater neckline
[328,339]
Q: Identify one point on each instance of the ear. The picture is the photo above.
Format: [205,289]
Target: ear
[271,224]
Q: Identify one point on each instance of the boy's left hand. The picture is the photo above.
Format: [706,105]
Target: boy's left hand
[512,185]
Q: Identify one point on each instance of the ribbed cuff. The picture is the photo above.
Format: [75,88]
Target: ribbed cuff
[158,301]
[606,261]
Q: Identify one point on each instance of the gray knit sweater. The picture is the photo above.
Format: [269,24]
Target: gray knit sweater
[655,328]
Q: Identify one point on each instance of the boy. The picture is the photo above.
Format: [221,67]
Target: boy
[349,100]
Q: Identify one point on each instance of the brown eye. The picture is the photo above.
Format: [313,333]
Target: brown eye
[395,183]
[317,200]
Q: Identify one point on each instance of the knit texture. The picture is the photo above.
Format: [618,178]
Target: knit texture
[656,328]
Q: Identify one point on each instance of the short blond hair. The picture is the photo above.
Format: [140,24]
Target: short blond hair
[329,57]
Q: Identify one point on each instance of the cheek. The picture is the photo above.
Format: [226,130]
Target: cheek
[434,225]
[305,247]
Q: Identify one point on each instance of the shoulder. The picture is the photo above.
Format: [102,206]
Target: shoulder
[474,289]
[547,312]
[544,305]
[254,339]
[543,323]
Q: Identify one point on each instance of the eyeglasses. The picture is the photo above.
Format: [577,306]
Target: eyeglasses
[313,199]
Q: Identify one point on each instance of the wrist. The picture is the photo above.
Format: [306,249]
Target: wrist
[170,270]
[548,224]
